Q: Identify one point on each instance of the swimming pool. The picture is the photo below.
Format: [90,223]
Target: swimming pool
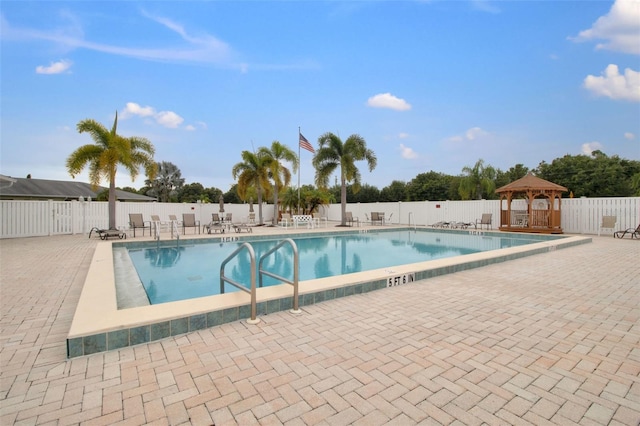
[100,324]
[174,271]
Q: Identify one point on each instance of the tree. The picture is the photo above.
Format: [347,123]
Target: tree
[213,194]
[167,182]
[365,194]
[514,173]
[477,181]
[109,151]
[396,191]
[280,174]
[310,199]
[635,184]
[232,196]
[289,199]
[314,198]
[129,189]
[252,172]
[431,186]
[454,185]
[333,154]
[191,193]
[597,175]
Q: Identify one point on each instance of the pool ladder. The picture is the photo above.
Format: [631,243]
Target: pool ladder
[174,229]
[414,220]
[252,290]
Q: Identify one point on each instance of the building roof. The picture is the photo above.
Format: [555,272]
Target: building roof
[23,188]
[531,182]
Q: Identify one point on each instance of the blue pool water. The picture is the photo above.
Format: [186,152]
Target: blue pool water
[189,269]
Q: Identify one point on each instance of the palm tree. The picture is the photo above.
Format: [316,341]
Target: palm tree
[333,153]
[289,199]
[312,199]
[280,174]
[106,154]
[252,173]
[479,180]
[166,183]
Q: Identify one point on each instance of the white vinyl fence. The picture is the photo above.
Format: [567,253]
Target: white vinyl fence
[41,218]
[579,215]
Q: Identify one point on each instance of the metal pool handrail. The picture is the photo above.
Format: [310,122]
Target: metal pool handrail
[252,291]
[296,267]
[174,229]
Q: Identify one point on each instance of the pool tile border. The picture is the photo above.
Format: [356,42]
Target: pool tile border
[117,339]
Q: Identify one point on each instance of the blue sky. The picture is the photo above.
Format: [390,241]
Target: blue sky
[430,85]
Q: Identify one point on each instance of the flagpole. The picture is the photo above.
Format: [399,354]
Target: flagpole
[299,167]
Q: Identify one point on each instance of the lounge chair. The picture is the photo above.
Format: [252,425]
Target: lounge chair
[228,218]
[463,225]
[105,234]
[377,217]
[485,220]
[215,225]
[189,221]
[608,222]
[348,216]
[441,224]
[239,227]
[634,233]
[252,218]
[136,222]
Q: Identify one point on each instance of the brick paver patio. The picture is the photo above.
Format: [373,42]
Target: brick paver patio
[548,339]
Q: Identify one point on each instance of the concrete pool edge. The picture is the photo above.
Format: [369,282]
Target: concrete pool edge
[99,326]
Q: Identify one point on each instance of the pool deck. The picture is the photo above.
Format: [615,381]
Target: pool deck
[552,338]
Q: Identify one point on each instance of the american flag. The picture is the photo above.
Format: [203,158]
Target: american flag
[304,144]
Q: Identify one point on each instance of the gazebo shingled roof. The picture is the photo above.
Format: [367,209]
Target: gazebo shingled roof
[531,182]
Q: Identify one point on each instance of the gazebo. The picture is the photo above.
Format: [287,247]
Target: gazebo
[531,204]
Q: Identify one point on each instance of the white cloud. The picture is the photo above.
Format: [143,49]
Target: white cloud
[189,127]
[169,119]
[133,108]
[188,46]
[615,85]
[472,134]
[407,153]
[475,133]
[620,28]
[387,100]
[203,48]
[165,118]
[630,136]
[403,135]
[588,148]
[54,68]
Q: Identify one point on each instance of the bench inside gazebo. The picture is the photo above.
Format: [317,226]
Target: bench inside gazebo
[531,204]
